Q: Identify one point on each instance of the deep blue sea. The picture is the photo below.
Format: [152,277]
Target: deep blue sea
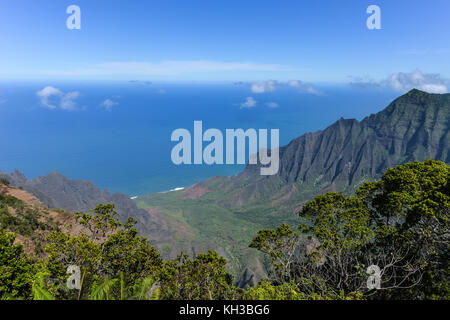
[128,148]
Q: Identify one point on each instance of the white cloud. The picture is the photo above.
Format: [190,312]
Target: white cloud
[68,101]
[53,98]
[108,104]
[264,86]
[429,82]
[46,94]
[272,105]
[272,85]
[249,103]
[405,81]
[303,87]
[165,68]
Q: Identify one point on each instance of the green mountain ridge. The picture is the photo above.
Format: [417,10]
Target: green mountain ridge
[226,211]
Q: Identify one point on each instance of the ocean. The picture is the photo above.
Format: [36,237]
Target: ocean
[126,147]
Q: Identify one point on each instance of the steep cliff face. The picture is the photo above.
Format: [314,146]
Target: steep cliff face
[413,127]
[416,126]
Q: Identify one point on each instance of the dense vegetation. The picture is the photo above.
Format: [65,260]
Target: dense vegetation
[388,241]
[396,228]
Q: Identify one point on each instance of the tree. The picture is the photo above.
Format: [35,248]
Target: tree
[322,257]
[126,253]
[202,278]
[16,269]
[400,224]
[106,250]
[410,209]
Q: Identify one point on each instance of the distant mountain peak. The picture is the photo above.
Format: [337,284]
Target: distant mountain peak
[414,127]
[415,95]
[416,92]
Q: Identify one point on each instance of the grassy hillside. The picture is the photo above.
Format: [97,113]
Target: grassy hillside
[206,223]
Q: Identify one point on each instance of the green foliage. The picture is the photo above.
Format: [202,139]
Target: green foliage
[15,268]
[7,200]
[410,208]
[146,289]
[339,222]
[25,220]
[117,289]
[203,278]
[400,223]
[126,252]
[39,290]
[101,221]
[102,290]
[4,181]
[267,291]
[110,254]
[118,264]
[290,291]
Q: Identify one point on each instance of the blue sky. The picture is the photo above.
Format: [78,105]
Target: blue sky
[312,41]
